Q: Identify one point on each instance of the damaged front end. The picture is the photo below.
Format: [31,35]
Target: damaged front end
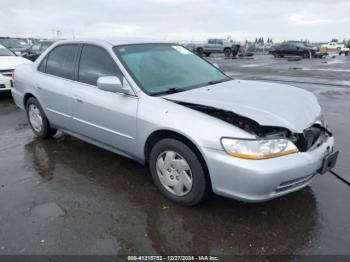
[311,137]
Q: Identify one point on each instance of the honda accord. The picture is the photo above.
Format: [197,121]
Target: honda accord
[195,128]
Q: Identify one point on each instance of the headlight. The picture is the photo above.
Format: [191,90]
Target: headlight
[258,149]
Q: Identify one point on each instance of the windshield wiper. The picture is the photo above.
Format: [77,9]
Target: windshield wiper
[171,90]
[217,81]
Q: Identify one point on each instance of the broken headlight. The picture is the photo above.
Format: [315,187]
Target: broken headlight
[258,149]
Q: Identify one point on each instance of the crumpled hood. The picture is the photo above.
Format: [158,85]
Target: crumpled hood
[10,62]
[269,104]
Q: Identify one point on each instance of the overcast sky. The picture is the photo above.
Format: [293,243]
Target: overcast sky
[315,20]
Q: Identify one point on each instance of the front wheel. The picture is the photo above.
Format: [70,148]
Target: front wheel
[38,120]
[178,173]
[306,54]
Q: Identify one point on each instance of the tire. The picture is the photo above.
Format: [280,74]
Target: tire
[227,52]
[38,120]
[167,178]
[200,51]
[306,54]
[207,54]
[347,53]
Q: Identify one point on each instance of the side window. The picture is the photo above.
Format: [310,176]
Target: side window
[94,63]
[42,66]
[60,61]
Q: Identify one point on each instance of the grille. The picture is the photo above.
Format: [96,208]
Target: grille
[6,72]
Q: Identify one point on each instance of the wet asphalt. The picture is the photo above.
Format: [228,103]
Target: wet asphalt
[64,196]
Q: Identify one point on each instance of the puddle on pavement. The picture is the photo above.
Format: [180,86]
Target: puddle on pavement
[219,225]
[48,211]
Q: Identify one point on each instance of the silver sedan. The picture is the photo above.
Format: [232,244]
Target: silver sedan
[198,130]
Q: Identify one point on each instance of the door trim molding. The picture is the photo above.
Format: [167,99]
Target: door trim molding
[103,128]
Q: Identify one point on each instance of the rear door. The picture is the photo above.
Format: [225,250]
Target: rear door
[54,84]
[109,118]
[210,45]
[219,46]
[287,49]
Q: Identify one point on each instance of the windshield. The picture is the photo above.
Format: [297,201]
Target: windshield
[45,45]
[14,43]
[5,52]
[163,68]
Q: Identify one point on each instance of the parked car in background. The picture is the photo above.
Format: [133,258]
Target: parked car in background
[312,47]
[197,129]
[215,45]
[37,49]
[292,49]
[8,62]
[15,45]
[334,46]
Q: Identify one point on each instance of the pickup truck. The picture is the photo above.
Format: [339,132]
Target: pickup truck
[344,50]
[334,46]
[216,46]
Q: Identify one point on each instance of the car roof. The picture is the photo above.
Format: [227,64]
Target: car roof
[47,41]
[113,41]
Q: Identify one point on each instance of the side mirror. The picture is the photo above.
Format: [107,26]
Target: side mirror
[216,65]
[111,84]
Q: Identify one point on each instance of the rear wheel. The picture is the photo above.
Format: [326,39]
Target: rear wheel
[178,173]
[200,51]
[227,52]
[38,120]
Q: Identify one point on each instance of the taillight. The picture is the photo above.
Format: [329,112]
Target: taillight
[13,76]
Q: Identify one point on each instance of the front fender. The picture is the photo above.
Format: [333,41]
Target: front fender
[156,113]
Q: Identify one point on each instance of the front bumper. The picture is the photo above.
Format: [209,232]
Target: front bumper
[5,83]
[261,180]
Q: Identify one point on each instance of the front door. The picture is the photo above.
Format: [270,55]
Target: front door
[108,118]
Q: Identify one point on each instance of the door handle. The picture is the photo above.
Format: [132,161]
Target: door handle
[79,100]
